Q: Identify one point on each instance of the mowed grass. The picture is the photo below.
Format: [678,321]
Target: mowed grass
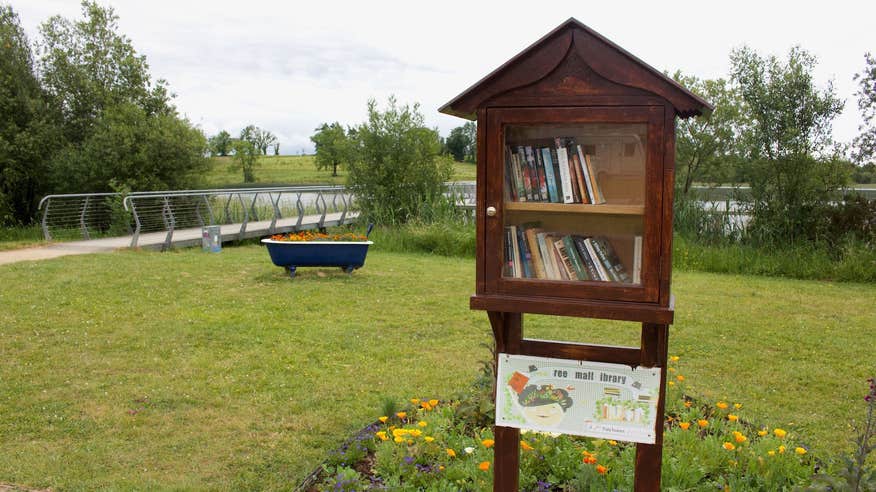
[140,370]
[293,170]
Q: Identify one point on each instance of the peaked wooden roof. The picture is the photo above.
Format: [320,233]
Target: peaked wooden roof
[575,60]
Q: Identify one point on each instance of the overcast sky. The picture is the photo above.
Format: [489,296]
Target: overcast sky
[289,66]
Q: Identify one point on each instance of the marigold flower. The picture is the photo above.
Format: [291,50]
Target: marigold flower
[440,467]
[399,439]
[771,453]
[422,423]
[451,453]
[401,415]
[525,446]
[740,438]
[381,435]
[415,432]
[674,358]
[399,432]
[680,378]
[687,404]
[671,369]
[612,442]
[800,451]
[780,433]
[762,432]
[781,449]
[415,401]
[671,383]
[737,406]
[722,405]
[684,425]
[488,443]
[425,405]
[484,466]
[428,438]
[729,446]
[703,423]
[732,418]
[433,402]
[590,460]
[601,470]
[383,419]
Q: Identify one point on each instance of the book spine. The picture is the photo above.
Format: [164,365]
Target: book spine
[582,189]
[518,178]
[549,174]
[525,255]
[584,169]
[535,253]
[581,248]
[562,273]
[517,268]
[580,269]
[620,272]
[510,186]
[564,173]
[508,270]
[565,261]
[546,257]
[597,191]
[542,176]
[637,260]
[597,246]
[603,275]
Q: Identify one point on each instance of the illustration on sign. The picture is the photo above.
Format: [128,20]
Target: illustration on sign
[609,401]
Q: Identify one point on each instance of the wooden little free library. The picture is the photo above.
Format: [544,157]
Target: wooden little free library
[575,175]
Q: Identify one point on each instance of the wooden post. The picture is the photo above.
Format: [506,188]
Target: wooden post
[649,457]
[508,330]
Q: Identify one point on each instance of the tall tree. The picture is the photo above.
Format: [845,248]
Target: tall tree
[706,146]
[332,146]
[28,128]
[865,143]
[220,144]
[246,157]
[462,142]
[790,167]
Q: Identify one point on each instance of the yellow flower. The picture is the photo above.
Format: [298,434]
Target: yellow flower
[703,423]
[415,401]
[484,466]
[729,446]
[383,419]
[740,438]
[762,432]
[601,470]
[425,405]
[612,442]
[671,383]
[428,438]
[525,446]
[381,435]
[399,432]
[401,415]
[780,433]
[422,423]
[771,452]
[722,405]
[488,443]
[440,467]
[680,378]
[451,453]
[687,404]
[781,449]
[399,439]
[433,402]
[800,451]
[684,425]
[732,418]
[671,369]
[737,406]
[673,358]
[416,432]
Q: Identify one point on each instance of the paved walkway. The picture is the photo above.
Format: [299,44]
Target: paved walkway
[155,240]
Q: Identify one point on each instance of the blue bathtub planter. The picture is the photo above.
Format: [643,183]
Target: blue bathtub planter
[348,255]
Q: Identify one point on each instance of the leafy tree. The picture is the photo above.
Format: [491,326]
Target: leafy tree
[245,158]
[865,143]
[396,171]
[791,170]
[27,125]
[259,138]
[220,144]
[462,142]
[706,146]
[332,146]
[276,148]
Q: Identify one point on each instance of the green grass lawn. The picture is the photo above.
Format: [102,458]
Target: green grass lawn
[293,170]
[141,370]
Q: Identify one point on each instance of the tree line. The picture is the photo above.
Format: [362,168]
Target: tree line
[79,111]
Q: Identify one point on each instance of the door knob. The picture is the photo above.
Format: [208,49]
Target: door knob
[491,211]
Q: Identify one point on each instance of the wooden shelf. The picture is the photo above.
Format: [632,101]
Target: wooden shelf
[576,208]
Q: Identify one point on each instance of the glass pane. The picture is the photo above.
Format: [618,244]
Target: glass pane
[574,202]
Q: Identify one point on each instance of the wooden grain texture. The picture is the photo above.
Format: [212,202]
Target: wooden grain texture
[629,356]
[576,208]
[508,329]
[581,308]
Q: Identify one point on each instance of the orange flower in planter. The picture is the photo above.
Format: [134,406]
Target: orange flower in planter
[601,470]
[484,466]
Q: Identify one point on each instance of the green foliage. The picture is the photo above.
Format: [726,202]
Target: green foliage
[220,144]
[707,146]
[445,238]
[462,142]
[28,127]
[865,143]
[790,171]
[333,147]
[396,171]
[246,156]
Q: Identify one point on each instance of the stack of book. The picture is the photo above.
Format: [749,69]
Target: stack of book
[531,252]
[558,173]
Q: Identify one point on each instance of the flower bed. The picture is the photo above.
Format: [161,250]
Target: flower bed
[435,445]
[317,249]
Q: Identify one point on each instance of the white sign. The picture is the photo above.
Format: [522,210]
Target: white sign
[594,399]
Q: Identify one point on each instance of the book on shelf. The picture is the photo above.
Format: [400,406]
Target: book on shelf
[559,173]
[531,252]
